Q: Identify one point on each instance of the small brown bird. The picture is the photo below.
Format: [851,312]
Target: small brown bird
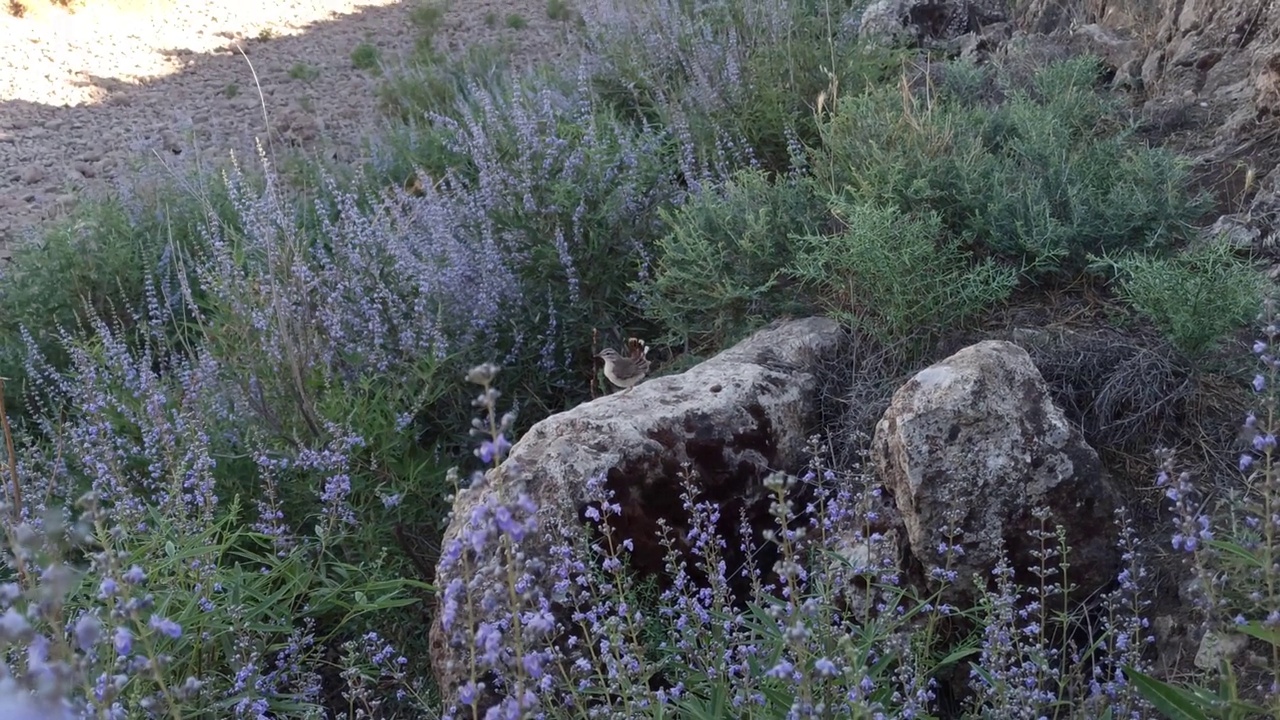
[626,372]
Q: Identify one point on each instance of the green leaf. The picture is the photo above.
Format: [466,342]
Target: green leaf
[956,656]
[1248,558]
[1260,631]
[1174,702]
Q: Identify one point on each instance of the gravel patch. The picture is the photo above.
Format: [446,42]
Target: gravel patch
[97,98]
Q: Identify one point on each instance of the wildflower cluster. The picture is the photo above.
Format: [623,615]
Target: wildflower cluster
[495,445]
[1230,534]
[128,561]
[97,657]
[555,621]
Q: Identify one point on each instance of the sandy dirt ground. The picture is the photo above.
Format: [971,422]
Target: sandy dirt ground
[97,97]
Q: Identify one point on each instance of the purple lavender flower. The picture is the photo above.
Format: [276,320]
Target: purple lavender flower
[468,693]
[491,449]
[107,588]
[18,704]
[13,625]
[165,626]
[123,641]
[88,630]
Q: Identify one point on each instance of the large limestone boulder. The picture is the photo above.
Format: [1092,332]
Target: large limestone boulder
[732,420]
[974,444]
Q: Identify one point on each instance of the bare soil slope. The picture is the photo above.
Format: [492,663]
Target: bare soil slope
[134,89]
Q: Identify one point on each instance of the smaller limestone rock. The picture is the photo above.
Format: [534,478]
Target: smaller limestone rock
[974,445]
[1234,231]
[925,20]
[1216,648]
[31,174]
[169,141]
[884,20]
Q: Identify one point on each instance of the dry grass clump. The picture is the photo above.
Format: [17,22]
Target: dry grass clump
[1130,391]
[1126,388]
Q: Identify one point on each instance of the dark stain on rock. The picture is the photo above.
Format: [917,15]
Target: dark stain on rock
[727,467]
[953,433]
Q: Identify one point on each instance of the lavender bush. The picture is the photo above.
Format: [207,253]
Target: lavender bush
[739,80]
[570,196]
[97,261]
[320,338]
[137,588]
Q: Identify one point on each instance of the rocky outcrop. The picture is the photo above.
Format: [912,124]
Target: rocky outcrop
[725,424]
[1207,73]
[923,21]
[969,449]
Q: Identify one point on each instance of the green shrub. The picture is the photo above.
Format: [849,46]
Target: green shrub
[896,276]
[1041,176]
[718,270]
[559,10]
[365,57]
[427,15]
[1194,298]
[434,83]
[304,72]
